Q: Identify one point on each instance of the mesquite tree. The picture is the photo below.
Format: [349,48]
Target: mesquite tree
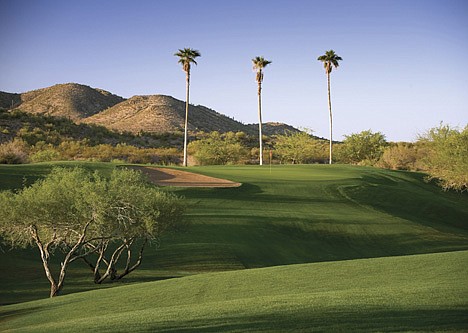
[72,213]
[137,213]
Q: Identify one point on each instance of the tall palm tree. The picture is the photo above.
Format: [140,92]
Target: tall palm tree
[186,58]
[259,63]
[330,59]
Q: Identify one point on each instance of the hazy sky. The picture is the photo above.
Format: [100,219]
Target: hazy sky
[404,63]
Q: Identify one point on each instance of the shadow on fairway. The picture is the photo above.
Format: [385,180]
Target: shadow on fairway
[329,320]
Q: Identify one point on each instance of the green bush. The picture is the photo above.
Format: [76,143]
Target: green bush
[217,149]
[364,148]
[299,148]
[45,155]
[447,157]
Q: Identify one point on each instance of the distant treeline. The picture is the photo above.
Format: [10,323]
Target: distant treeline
[442,152]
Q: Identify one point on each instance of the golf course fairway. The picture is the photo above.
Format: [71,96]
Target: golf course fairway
[295,248]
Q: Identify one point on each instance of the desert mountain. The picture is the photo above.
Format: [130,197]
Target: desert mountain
[70,100]
[273,128]
[152,113]
[161,114]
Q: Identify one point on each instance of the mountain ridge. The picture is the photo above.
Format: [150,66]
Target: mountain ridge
[140,113]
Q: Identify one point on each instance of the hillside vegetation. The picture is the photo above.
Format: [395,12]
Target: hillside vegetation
[152,114]
[161,114]
[34,128]
[70,100]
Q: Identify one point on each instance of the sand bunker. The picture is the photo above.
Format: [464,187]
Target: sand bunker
[172,177]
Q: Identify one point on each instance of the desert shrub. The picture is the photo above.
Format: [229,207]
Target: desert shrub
[14,152]
[447,156]
[364,148]
[402,156]
[217,149]
[298,147]
[72,150]
[37,134]
[46,155]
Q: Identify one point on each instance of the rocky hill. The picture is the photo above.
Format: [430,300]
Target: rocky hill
[8,100]
[70,100]
[160,114]
[274,128]
[151,114]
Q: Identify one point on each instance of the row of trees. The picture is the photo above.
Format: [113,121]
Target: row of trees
[442,152]
[187,57]
[76,215]
[292,147]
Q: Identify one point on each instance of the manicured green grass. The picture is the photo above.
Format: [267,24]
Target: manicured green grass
[15,176]
[289,215]
[410,293]
[298,214]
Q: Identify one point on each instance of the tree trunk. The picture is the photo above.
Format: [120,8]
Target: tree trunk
[54,290]
[186,118]
[260,136]
[111,271]
[71,255]
[45,256]
[128,269]
[100,249]
[331,119]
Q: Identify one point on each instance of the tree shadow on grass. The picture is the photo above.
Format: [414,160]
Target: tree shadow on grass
[7,315]
[336,320]
[443,211]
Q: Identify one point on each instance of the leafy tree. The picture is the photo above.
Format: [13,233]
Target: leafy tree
[186,58]
[217,149]
[297,147]
[72,212]
[364,147]
[136,213]
[330,59]
[54,213]
[259,63]
[447,158]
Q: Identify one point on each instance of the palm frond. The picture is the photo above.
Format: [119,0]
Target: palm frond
[260,62]
[330,59]
[186,57]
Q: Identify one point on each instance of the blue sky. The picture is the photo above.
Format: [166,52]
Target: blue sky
[403,68]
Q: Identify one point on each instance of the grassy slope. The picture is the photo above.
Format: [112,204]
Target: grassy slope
[365,295]
[15,176]
[298,214]
[295,214]
[21,275]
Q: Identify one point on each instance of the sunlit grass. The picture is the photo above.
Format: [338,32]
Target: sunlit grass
[411,293]
[279,216]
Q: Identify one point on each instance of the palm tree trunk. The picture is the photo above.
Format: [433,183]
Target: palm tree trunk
[331,119]
[186,118]
[260,136]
